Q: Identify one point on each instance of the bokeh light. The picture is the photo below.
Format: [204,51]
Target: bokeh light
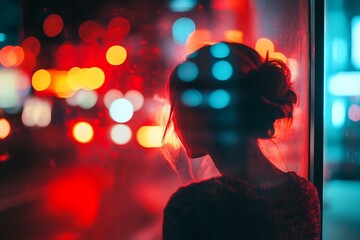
[136,99]
[150,136]
[116,55]
[37,112]
[5,128]
[85,78]
[14,88]
[53,25]
[264,46]
[198,39]
[182,5]
[234,36]
[182,28]
[121,110]
[220,50]
[294,68]
[279,56]
[83,132]
[192,98]
[41,80]
[65,56]
[121,134]
[222,70]
[338,113]
[354,112]
[111,96]
[11,56]
[90,31]
[86,99]
[118,28]
[187,71]
[219,99]
[31,44]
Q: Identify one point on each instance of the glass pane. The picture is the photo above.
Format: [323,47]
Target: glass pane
[341,120]
[81,107]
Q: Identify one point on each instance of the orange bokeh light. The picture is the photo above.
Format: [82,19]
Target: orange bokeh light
[234,36]
[83,132]
[5,128]
[53,25]
[41,80]
[116,55]
[264,47]
[197,40]
[11,56]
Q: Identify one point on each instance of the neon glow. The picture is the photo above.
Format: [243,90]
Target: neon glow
[2,37]
[121,110]
[191,98]
[188,71]
[182,5]
[219,99]
[338,114]
[150,136]
[220,50]
[222,70]
[345,84]
[182,28]
[355,41]
[5,128]
[120,134]
[83,132]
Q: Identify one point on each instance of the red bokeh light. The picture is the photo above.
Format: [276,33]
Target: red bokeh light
[118,28]
[53,25]
[66,56]
[32,45]
[90,31]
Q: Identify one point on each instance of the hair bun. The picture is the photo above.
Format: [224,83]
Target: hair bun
[272,82]
[274,97]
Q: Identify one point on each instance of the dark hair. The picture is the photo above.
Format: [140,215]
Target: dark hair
[260,90]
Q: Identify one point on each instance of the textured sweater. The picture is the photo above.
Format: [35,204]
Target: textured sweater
[230,208]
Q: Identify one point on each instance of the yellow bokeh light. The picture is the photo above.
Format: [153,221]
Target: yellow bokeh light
[94,78]
[116,55]
[41,80]
[4,128]
[264,46]
[83,132]
[150,136]
[279,56]
[234,36]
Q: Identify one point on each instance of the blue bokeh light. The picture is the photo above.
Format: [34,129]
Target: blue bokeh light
[222,70]
[182,28]
[182,5]
[192,98]
[219,99]
[220,50]
[188,71]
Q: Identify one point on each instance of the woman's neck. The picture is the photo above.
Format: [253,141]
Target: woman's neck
[245,160]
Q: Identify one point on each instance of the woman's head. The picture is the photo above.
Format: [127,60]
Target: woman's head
[226,92]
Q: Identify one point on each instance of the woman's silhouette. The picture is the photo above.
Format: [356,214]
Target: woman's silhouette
[224,98]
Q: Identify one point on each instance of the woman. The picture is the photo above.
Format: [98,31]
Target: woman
[224,98]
